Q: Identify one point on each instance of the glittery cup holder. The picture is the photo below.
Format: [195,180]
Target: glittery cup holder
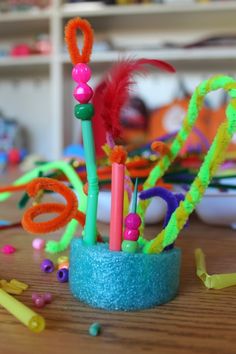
[122,281]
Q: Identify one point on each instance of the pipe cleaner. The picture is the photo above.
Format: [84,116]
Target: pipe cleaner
[66,212]
[209,167]
[55,246]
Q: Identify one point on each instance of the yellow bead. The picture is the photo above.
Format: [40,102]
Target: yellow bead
[62,259]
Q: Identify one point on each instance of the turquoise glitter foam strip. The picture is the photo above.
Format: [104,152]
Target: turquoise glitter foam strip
[121,281]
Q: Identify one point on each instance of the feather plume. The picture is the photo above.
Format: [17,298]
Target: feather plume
[113,92]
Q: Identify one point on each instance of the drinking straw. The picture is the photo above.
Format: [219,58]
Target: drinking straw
[24,314]
[118,157]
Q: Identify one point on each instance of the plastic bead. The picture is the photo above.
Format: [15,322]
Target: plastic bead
[95,329]
[35,296]
[38,244]
[84,111]
[47,266]
[8,249]
[83,93]
[81,73]
[129,246]
[39,302]
[47,298]
[131,235]
[64,265]
[133,221]
[62,259]
[63,275]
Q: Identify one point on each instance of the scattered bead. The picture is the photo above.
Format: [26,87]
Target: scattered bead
[64,265]
[81,73]
[8,249]
[83,93]
[38,244]
[129,246]
[35,296]
[47,266]
[63,275]
[84,111]
[131,235]
[47,298]
[133,221]
[95,329]
[39,302]
[62,259]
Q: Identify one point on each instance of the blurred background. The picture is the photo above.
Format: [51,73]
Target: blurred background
[36,104]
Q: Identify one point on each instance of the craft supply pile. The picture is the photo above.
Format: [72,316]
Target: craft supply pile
[123,270]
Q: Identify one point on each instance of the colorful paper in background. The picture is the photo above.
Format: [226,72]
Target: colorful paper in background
[168,119]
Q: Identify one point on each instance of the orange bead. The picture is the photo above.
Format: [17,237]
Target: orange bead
[63,265]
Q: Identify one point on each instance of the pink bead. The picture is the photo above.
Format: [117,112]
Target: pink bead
[132,221]
[35,296]
[8,249]
[131,235]
[83,93]
[38,244]
[39,302]
[47,298]
[81,73]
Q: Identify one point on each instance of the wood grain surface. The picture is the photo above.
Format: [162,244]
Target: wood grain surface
[197,321]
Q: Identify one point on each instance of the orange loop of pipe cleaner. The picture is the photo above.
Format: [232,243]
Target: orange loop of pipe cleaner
[66,211]
[71,40]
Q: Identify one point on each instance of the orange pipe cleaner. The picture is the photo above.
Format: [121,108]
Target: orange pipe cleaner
[66,212]
[18,188]
[71,40]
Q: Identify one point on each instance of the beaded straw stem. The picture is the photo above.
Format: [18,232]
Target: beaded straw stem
[81,74]
[132,223]
[211,162]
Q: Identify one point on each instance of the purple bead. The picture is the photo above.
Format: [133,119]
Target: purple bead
[133,221]
[81,73]
[47,266]
[83,93]
[39,302]
[63,275]
[131,235]
[47,298]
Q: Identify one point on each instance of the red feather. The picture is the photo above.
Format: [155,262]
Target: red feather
[113,92]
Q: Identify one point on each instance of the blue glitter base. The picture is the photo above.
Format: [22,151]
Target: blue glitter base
[122,281]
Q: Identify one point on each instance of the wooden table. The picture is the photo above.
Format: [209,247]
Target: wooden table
[197,321]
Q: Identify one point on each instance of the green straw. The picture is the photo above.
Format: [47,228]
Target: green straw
[135,197]
[90,232]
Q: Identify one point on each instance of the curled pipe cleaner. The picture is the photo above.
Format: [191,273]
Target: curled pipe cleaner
[170,198]
[166,195]
[54,246]
[66,212]
[71,40]
[211,162]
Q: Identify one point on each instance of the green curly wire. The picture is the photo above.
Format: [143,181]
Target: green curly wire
[211,162]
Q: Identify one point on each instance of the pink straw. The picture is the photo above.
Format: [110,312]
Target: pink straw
[117,201]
